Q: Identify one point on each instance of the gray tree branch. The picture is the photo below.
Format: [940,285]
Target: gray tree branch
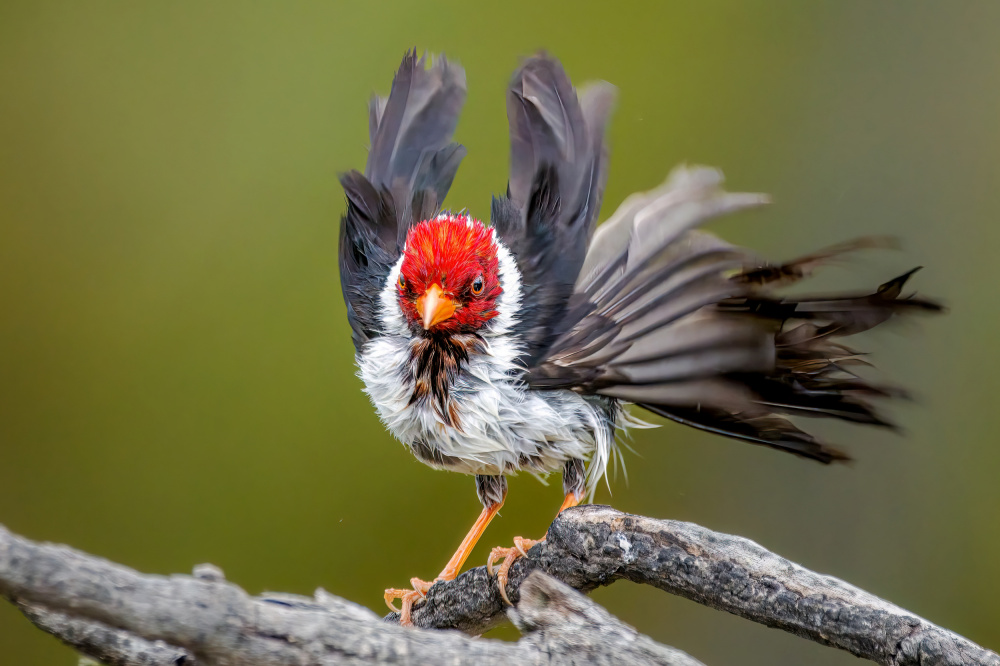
[122,617]
[591,546]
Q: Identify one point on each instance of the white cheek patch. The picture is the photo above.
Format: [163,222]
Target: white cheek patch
[509,302]
[393,321]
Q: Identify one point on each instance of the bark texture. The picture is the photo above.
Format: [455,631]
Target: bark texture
[594,545]
[119,616]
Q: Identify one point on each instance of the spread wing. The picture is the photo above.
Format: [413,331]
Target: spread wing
[691,328]
[558,168]
[411,165]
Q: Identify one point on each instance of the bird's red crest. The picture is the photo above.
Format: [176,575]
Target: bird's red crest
[458,254]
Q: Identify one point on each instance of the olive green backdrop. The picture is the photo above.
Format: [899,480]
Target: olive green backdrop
[176,372]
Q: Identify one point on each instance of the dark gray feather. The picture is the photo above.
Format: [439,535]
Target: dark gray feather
[411,165]
[558,170]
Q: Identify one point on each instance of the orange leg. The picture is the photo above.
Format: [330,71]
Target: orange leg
[520,549]
[449,572]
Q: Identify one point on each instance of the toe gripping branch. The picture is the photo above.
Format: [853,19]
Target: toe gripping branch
[520,549]
[420,587]
[492,502]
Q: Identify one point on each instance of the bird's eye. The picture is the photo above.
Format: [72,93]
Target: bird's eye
[477,285]
[401,282]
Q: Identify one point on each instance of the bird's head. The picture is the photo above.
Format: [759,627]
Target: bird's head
[448,281]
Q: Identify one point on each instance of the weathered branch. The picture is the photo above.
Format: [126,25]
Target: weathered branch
[120,617]
[111,646]
[591,546]
[123,617]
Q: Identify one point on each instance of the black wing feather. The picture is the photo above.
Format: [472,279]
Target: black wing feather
[558,169]
[411,165]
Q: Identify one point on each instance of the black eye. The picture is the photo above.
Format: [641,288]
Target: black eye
[401,282]
[477,286]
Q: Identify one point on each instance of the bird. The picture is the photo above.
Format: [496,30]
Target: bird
[532,342]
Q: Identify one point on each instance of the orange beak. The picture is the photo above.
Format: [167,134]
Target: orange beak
[434,306]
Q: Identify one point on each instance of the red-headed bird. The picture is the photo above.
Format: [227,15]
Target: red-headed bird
[517,346]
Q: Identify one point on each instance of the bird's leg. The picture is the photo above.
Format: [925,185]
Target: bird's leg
[492,491]
[420,587]
[573,485]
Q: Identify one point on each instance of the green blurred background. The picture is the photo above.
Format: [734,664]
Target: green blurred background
[176,372]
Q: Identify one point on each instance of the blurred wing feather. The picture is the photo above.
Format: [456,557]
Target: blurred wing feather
[678,321]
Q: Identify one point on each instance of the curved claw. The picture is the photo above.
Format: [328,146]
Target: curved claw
[497,553]
[509,555]
[409,597]
[422,587]
[524,545]
[394,593]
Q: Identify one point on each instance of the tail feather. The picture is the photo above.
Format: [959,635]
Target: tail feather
[693,329]
[802,267]
[771,431]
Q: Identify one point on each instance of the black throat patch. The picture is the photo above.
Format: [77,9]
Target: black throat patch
[436,361]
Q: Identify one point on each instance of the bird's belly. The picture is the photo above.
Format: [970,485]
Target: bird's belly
[488,425]
[498,432]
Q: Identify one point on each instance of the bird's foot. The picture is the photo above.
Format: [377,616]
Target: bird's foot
[509,556]
[409,597]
